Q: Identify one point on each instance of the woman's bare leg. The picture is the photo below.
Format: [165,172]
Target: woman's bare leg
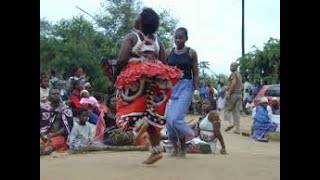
[155,148]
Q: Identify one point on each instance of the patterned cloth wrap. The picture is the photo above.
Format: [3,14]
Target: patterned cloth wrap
[143,91]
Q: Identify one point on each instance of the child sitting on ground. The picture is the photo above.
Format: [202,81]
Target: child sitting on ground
[81,133]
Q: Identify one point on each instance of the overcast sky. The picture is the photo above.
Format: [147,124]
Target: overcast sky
[214,26]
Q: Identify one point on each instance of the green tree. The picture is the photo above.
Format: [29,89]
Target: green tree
[203,65]
[167,28]
[73,43]
[262,64]
[117,18]
[78,42]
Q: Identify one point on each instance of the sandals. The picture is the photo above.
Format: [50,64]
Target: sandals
[245,134]
[236,132]
[229,128]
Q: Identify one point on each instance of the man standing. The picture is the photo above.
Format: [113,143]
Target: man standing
[233,98]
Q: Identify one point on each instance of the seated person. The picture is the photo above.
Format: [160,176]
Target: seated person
[208,128]
[261,116]
[81,133]
[91,104]
[55,124]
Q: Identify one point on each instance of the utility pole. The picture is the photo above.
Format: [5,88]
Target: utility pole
[242,28]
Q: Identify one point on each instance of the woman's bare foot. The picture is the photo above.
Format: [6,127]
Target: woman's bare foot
[153,158]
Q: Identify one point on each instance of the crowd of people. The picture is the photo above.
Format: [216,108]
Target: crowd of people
[155,89]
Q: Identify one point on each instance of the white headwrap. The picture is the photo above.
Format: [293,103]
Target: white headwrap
[83,91]
[263,100]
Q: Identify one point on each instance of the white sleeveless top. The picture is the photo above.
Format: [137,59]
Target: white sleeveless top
[141,47]
[206,129]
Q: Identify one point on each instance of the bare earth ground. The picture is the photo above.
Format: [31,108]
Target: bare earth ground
[247,160]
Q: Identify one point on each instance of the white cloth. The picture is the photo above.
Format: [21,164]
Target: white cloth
[80,133]
[44,94]
[276,119]
[221,103]
[206,125]
[206,132]
[146,47]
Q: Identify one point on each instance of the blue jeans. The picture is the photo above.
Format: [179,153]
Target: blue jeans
[178,107]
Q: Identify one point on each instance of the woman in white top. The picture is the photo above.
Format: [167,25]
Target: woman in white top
[208,129]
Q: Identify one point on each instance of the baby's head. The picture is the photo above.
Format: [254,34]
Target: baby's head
[84,93]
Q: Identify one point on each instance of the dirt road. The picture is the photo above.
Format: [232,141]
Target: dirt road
[247,160]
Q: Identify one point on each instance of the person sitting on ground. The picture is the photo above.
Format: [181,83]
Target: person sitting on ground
[208,128]
[75,101]
[275,106]
[87,99]
[55,124]
[258,101]
[261,120]
[81,133]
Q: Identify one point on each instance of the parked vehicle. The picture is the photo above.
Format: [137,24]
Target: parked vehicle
[269,91]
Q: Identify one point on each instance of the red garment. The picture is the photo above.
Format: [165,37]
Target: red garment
[102,107]
[75,101]
[211,92]
[101,125]
[100,128]
[138,70]
[128,113]
[58,143]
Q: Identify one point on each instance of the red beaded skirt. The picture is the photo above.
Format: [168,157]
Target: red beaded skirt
[143,91]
